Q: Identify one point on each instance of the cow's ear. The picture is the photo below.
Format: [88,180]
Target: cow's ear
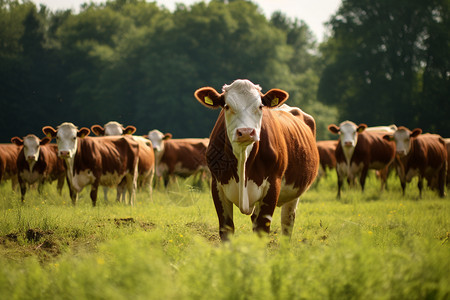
[83,132]
[45,141]
[129,130]
[415,132]
[167,136]
[98,130]
[274,98]
[333,128]
[209,97]
[388,137]
[17,140]
[361,127]
[49,131]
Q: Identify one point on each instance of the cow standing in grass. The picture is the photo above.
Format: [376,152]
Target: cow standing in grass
[95,161]
[358,151]
[259,157]
[38,161]
[422,155]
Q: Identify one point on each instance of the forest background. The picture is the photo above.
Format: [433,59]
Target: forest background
[384,62]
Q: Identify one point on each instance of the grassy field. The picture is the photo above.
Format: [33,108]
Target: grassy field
[364,246]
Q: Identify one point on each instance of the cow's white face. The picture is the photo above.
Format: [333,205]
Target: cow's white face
[113,128]
[349,136]
[243,112]
[402,141]
[31,148]
[66,138]
[157,138]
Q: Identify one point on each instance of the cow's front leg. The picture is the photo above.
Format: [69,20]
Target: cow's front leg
[224,209]
[288,217]
[261,223]
[94,192]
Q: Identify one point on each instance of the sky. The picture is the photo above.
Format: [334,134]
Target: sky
[313,12]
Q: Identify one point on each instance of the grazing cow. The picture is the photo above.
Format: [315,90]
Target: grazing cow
[181,157]
[259,157]
[146,165]
[327,156]
[358,151]
[8,166]
[38,161]
[95,160]
[422,155]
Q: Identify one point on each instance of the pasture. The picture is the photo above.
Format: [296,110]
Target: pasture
[363,246]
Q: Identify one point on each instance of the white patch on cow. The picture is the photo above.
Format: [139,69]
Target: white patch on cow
[81,179]
[243,109]
[161,168]
[113,128]
[67,141]
[349,138]
[254,193]
[411,173]
[156,137]
[31,148]
[287,193]
[402,142]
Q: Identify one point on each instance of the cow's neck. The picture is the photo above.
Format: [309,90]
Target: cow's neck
[31,165]
[348,153]
[242,154]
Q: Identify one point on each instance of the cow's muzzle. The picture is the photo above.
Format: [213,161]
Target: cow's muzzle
[246,135]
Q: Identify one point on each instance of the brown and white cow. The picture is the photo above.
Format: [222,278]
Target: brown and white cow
[96,161]
[422,155]
[146,164]
[180,157]
[259,157]
[8,163]
[358,151]
[327,156]
[38,161]
[447,145]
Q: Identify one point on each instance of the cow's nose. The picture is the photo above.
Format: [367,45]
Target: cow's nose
[64,153]
[348,143]
[30,157]
[246,135]
[401,152]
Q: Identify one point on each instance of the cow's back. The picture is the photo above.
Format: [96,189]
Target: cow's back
[427,150]
[189,154]
[8,160]
[371,148]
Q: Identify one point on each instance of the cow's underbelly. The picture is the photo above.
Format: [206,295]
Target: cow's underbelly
[255,193]
[350,172]
[111,179]
[161,169]
[81,179]
[30,177]
[377,165]
[288,193]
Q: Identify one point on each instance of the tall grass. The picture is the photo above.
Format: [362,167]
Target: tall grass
[371,245]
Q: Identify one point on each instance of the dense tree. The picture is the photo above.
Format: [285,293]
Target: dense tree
[379,59]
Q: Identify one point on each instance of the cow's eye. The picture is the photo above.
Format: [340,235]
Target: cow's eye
[226,107]
[74,138]
[261,106]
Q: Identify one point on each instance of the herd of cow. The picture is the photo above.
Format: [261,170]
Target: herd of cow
[261,154]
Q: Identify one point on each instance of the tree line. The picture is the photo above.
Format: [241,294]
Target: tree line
[137,63]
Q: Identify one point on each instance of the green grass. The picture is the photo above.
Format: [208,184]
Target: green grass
[371,245]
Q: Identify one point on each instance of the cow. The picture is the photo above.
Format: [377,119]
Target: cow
[327,156]
[38,161]
[422,155]
[96,161]
[259,157]
[180,157]
[146,165]
[8,165]
[358,151]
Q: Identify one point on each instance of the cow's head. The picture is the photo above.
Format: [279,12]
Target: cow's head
[31,146]
[66,137]
[348,132]
[112,128]
[157,138]
[243,103]
[402,138]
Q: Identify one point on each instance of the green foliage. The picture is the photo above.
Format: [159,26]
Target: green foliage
[375,245]
[380,63]
[139,64]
